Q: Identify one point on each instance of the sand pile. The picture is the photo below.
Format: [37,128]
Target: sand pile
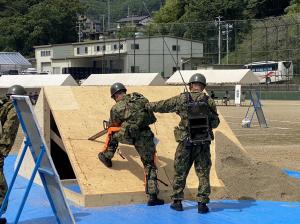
[244,177]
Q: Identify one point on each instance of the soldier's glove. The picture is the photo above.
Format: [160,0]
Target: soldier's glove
[148,106]
[133,130]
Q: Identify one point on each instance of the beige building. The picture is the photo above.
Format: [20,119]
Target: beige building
[140,54]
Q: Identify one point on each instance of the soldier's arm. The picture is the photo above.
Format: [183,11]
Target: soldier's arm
[214,118]
[165,106]
[115,118]
[10,129]
[117,115]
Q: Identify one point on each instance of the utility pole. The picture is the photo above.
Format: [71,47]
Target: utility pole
[228,28]
[227,42]
[219,38]
[103,23]
[147,10]
[108,15]
[79,31]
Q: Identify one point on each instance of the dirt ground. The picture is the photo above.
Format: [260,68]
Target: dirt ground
[279,144]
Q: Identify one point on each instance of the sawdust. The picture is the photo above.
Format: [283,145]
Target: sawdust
[246,178]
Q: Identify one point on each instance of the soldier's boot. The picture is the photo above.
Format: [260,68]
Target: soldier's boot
[2,220]
[202,208]
[176,205]
[107,162]
[154,200]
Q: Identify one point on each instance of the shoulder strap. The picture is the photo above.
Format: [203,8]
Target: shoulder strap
[3,101]
[205,98]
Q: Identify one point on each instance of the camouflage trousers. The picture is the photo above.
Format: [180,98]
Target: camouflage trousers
[145,147]
[3,184]
[186,155]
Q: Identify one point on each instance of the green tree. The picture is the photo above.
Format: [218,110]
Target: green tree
[294,7]
[38,23]
[96,9]
[172,11]
[265,8]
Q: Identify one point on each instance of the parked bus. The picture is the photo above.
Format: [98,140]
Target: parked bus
[272,71]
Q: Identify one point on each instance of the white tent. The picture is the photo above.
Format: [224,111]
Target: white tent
[128,79]
[230,76]
[35,81]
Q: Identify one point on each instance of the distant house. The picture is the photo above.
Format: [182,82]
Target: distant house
[90,29]
[134,21]
[12,63]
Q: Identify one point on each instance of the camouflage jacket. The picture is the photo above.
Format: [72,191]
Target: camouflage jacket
[131,114]
[178,104]
[10,124]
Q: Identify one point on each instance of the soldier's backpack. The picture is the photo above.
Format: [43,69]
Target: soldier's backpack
[137,112]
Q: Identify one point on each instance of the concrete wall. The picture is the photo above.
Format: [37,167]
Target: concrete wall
[57,65]
[161,53]
[62,51]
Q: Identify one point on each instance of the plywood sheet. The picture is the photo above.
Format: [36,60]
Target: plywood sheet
[77,123]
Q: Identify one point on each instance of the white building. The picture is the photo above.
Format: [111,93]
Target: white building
[140,54]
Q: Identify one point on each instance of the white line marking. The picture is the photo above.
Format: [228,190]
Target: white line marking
[271,134]
[241,118]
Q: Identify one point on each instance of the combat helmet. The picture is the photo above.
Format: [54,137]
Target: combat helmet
[116,87]
[16,90]
[197,78]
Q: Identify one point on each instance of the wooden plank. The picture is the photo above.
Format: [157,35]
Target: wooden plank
[57,140]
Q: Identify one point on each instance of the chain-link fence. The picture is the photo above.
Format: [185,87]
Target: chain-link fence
[235,42]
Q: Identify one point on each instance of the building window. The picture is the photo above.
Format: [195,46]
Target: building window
[45,53]
[175,48]
[78,50]
[135,46]
[115,47]
[86,50]
[121,46]
[135,69]
[97,48]
[103,48]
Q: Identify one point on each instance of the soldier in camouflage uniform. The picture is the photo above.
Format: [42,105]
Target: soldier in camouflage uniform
[130,114]
[9,127]
[190,152]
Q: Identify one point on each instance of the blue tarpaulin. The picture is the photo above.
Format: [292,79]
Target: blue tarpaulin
[38,211]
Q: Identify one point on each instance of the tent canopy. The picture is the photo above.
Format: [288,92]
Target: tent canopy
[230,76]
[128,79]
[34,81]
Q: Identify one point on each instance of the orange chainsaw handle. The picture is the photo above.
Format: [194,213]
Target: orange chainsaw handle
[110,132]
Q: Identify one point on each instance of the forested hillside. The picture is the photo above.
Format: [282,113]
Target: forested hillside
[26,23]
[120,8]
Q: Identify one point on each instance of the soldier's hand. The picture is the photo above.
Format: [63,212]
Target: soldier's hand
[148,106]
